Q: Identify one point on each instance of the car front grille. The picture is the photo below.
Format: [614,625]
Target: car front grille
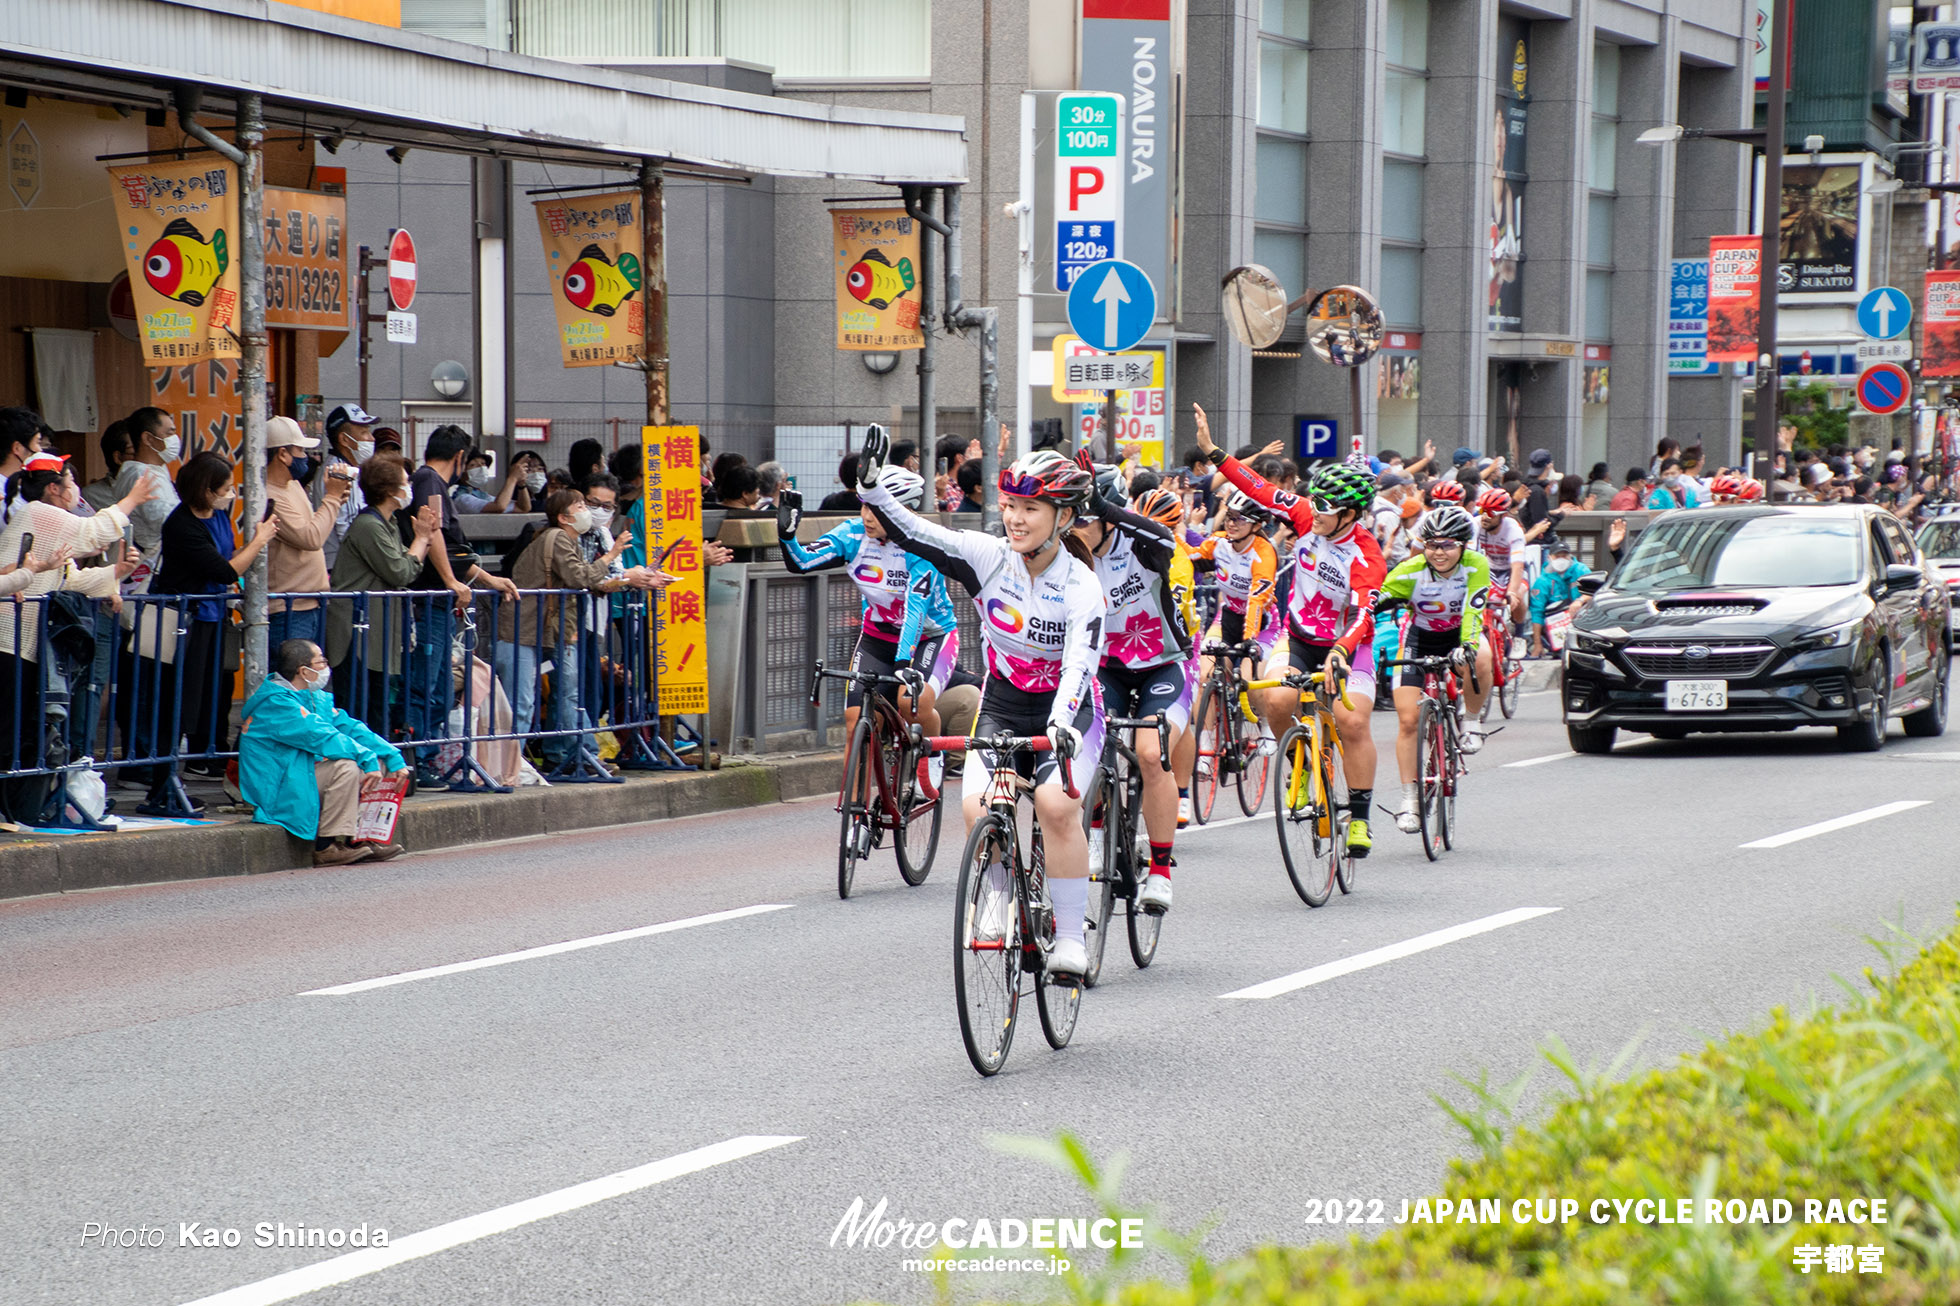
[1725,660]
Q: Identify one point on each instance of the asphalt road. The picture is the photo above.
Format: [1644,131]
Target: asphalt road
[165,1060]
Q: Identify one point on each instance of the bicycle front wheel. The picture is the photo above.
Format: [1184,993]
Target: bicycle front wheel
[1102,874]
[1217,741]
[1146,926]
[987,945]
[1334,775]
[1430,759]
[918,816]
[854,809]
[1507,697]
[1305,827]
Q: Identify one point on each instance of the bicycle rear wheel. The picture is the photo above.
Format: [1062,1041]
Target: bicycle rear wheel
[1507,697]
[1102,876]
[1304,824]
[1146,927]
[1429,762]
[1335,779]
[1217,741]
[1447,774]
[853,810]
[918,816]
[1254,767]
[987,945]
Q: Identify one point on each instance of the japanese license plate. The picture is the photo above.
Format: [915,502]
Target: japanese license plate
[1697,695]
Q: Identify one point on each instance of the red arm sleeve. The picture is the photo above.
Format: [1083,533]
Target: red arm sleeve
[1290,506]
[1365,578]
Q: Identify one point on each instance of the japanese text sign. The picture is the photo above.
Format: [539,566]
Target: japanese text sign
[670,519]
[878,288]
[178,222]
[593,253]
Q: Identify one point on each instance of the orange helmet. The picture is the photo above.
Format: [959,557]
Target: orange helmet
[1446,490]
[1726,488]
[1749,490]
[1494,501]
[1160,504]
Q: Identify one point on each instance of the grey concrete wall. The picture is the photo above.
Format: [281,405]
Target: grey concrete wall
[1557,133]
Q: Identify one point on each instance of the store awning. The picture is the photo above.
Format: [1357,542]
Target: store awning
[331,76]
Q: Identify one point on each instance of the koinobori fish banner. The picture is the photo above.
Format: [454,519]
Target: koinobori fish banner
[878,287]
[179,226]
[592,250]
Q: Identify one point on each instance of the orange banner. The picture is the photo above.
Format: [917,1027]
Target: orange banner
[305,260]
[592,250]
[178,221]
[1735,266]
[1941,355]
[878,289]
[670,523]
[208,401]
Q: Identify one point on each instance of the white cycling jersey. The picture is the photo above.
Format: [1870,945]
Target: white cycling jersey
[1143,629]
[1501,546]
[1042,634]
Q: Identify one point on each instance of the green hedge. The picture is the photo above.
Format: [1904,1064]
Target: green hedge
[1857,1100]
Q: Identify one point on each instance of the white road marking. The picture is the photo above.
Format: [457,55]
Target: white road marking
[1836,823]
[1393,952]
[548,950]
[1194,828]
[1888,756]
[354,1265]
[1540,761]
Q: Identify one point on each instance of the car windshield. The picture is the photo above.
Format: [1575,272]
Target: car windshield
[1728,550]
[1941,539]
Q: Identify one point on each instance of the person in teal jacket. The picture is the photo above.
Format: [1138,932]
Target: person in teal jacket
[300,758]
[1557,587]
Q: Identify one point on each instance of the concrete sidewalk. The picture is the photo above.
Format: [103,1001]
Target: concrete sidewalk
[236,845]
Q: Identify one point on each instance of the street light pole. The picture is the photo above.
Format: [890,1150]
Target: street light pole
[1768,378]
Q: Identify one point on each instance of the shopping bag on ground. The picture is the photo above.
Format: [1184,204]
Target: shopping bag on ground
[381,807]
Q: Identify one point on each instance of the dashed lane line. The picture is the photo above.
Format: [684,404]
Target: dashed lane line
[1393,952]
[1836,823]
[355,1265]
[548,950]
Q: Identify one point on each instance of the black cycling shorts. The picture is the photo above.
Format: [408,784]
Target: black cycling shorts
[1423,644]
[1169,688]
[1003,707]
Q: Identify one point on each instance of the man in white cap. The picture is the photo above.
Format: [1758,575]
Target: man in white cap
[350,442]
[296,561]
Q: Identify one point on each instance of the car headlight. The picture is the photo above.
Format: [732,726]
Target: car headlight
[1589,643]
[1835,637]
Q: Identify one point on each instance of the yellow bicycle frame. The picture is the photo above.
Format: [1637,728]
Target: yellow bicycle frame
[1309,783]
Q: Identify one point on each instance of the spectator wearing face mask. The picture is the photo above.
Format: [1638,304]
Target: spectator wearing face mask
[296,561]
[351,441]
[374,559]
[116,450]
[1555,590]
[157,445]
[514,495]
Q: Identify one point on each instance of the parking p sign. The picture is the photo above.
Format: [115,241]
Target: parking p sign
[1318,437]
[1088,182]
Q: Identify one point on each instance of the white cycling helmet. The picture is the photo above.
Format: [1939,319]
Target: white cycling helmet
[905,485]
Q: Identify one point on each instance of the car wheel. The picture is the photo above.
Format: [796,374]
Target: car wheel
[1929,722]
[1868,735]
[1591,739]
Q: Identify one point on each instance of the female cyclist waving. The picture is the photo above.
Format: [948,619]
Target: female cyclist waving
[1337,567]
[1041,623]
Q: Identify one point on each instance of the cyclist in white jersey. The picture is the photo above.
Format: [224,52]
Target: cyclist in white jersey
[1146,663]
[1501,540]
[1041,624]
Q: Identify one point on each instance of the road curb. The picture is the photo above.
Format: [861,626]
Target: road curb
[1541,675]
[31,866]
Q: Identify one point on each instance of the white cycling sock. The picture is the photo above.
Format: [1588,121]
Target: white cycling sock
[1408,798]
[1071,899]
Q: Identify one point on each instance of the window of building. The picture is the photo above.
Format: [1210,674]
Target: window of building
[1601,175]
[842,40]
[1279,208]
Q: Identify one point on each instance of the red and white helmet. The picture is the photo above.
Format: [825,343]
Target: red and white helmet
[1726,488]
[1749,490]
[1493,502]
[1446,489]
[1048,476]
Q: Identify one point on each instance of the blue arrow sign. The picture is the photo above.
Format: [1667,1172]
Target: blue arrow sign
[1111,305]
[1884,312]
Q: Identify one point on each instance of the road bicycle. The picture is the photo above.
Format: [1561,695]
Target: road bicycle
[881,790]
[1506,668]
[1115,796]
[1310,806]
[1003,920]
[1439,751]
[1228,742]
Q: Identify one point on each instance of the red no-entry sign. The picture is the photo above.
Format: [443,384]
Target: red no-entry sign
[401,269]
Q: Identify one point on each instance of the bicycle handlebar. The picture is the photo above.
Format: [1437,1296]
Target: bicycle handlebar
[1250,648]
[1439,665]
[999,743]
[821,673]
[1157,723]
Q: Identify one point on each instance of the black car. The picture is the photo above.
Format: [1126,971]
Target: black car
[1761,618]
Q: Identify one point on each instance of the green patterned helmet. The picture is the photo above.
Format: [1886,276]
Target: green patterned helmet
[1344,487]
